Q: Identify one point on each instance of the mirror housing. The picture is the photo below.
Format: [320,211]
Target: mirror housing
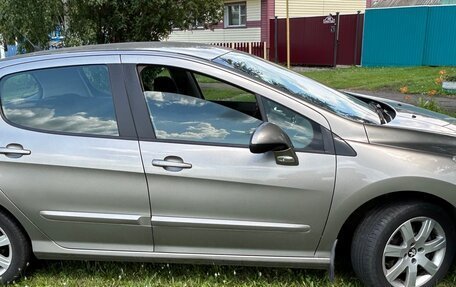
[269,137]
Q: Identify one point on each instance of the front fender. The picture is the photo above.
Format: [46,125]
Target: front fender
[378,171]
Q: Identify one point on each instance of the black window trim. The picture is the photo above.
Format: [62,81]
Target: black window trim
[122,112]
[146,131]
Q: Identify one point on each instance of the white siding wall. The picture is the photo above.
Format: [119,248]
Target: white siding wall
[304,8]
[225,35]
[217,36]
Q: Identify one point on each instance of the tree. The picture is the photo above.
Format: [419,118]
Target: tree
[109,21]
[29,22]
[102,21]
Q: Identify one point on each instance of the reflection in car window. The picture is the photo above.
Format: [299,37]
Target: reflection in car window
[300,86]
[61,100]
[179,117]
[216,90]
[303,133]
[97,77]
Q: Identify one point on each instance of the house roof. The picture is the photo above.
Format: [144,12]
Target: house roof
[398,3]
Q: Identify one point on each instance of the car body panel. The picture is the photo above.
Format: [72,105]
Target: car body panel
[379,170]
[232,184]
[412,117]
[66,173]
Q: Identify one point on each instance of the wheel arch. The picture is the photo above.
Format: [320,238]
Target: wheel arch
[15,220]
[346,232]
[352,196]
[31,232]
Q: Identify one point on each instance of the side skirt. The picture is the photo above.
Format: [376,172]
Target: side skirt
[49,250]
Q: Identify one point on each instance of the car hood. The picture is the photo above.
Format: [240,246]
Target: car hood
[415,118]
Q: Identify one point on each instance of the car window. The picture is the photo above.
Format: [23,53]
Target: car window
[217,112]
[67,99]
[180,110]
[184,118]
[304,133]
[150,73]
[22,86]
[97,79]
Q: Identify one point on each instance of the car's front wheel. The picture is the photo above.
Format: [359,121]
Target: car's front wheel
[404,245]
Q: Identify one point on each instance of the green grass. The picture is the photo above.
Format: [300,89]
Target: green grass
[418,80]
[227,95]
[73,273]
[218,91]
[205,80]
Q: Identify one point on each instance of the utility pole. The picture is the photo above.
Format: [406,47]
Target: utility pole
[288,36]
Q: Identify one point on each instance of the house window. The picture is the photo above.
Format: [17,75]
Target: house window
[236,15]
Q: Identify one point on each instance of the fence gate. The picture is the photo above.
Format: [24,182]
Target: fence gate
[313,40]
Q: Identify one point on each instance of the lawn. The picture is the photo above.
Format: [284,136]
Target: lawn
[73,273]
[409,80]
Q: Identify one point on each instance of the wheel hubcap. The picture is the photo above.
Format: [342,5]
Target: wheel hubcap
[5,252]
[414,253]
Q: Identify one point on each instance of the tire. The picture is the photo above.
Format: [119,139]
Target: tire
[18,250]
[416,233]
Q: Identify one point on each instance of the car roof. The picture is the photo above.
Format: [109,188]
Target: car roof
[202,51]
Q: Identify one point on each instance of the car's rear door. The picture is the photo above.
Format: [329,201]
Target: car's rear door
[209,194]
[69,155]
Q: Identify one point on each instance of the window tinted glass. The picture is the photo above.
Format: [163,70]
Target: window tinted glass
[303,133]
[179,117]
[69,99]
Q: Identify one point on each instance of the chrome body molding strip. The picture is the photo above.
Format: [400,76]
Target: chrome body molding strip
[110,218]
[186,222]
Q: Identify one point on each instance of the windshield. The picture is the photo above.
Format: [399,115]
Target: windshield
[292,83]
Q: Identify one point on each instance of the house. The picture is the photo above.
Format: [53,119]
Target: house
[249,20]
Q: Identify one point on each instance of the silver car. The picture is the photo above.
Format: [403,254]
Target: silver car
[189,153]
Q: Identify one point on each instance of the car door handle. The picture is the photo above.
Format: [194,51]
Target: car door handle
[164,163]
[171,163]
[14,150]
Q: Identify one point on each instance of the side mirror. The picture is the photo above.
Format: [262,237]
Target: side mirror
[269,137]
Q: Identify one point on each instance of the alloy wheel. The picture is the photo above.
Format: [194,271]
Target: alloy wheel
[5,252]
[414,252]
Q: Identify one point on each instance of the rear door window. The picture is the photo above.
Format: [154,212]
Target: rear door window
[65,99]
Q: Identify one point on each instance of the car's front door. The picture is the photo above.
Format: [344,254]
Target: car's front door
[209,193]
[69,155]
